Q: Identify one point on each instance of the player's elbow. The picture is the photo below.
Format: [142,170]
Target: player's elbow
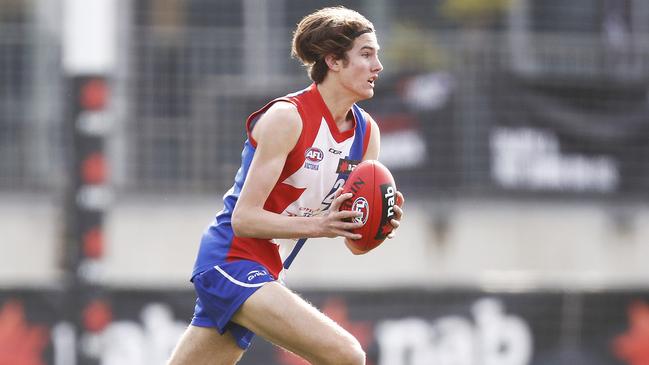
[239,225]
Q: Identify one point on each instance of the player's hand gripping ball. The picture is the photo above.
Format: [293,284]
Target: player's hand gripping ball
[374,194]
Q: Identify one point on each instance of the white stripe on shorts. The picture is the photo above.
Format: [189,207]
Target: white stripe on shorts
[235,281]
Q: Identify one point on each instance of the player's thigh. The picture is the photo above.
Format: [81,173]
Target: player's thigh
[205,346]
[282,317]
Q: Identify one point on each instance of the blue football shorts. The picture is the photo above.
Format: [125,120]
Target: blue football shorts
[221,290]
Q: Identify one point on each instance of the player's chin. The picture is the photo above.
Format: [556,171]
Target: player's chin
[367,93]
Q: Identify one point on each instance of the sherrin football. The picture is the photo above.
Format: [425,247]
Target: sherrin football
[374,193]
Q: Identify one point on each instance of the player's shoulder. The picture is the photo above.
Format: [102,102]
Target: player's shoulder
[283,109]
[281,113]
[281,120]
[369,120]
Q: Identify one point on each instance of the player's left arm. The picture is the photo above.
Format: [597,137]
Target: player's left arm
[372,153]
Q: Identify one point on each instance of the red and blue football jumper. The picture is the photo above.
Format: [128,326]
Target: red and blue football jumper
[315,168]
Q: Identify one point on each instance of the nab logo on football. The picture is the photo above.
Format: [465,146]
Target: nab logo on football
[361,205]
[314,154]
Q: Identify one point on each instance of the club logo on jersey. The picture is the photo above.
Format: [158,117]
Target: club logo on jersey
[345,165]
[389,196]
[361,205]
[313,156]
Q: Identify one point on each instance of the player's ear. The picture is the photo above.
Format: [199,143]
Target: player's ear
[334,63]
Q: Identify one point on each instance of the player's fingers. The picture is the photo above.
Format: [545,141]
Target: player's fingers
[398,212]
[348,234]
[395,224]
[338,201]
[350,225]
[338,192]
[336,195]
[347,214]
[400,199]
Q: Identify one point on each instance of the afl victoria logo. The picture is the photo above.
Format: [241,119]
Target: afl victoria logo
[314,154]
[361,205]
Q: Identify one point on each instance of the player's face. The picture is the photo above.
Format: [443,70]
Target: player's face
[363,66]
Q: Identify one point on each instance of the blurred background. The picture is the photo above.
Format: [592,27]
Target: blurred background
[518,131]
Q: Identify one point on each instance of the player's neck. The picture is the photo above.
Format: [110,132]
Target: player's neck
[338,103]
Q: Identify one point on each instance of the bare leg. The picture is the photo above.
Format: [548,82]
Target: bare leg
[280,316]
[205,346]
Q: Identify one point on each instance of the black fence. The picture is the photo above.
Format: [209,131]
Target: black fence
[500,99]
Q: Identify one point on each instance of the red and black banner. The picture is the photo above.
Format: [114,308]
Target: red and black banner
[395,327]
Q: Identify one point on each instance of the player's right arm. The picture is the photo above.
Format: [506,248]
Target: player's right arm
[276,134]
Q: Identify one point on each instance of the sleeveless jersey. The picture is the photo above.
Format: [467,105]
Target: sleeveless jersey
[315,168]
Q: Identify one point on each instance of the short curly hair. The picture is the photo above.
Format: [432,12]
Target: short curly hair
[327,31]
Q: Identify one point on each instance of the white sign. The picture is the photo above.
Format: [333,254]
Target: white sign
[492,338]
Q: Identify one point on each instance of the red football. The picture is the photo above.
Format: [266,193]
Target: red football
[374,194]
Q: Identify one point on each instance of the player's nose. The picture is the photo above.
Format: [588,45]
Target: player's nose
[378,66]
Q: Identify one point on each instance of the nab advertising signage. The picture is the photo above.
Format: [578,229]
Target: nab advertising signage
[395,327]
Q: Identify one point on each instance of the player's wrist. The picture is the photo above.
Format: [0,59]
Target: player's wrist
[314,227]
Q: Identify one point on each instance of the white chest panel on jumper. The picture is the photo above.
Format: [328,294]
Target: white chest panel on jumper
[318,174]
